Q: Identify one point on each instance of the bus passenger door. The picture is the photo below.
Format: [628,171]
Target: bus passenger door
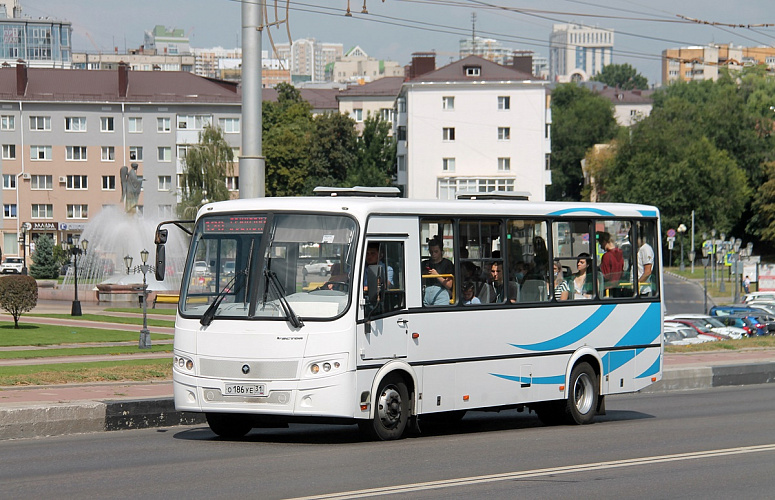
[382,329]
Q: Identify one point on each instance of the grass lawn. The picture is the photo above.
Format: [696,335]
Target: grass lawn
[38,334]
[83,351]
[109,319]
[767,341]
[100,371]
[139,310]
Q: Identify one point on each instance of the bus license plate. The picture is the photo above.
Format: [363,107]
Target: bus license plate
[254,390]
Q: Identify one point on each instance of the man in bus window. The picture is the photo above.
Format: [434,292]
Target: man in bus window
[437,272]
[612,261]
[502,288]
[372,259]
[645,265]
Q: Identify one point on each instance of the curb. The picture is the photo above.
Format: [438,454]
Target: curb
[113,415]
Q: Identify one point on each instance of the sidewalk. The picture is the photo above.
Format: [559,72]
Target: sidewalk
[72,408]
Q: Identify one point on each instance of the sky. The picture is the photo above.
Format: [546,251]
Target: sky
[394,29]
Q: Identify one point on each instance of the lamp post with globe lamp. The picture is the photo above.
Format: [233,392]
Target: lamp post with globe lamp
[76,251]
[145,334]
[736,262]
[705,259]
[681,230]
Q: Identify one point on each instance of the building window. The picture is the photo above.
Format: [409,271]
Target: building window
[77,182]
[504,133]
[232,183]
[183,151]
[386,114]
[448,103]
[9,181]
[75,123]
[449,187]
[40,152]
[42,182]
[9,151]
[401,105]
[504,102]
[401,163]
[40,123]
[75,153]
[401,133]
[165,182]
[77,211]
[548,161]
[7,122]
[448,164]
[9,210]
[108,182]
[42,211]
[194,122]
[108,153]
[136,153]
[473,70]
[357,115]
[164,153]
[448,133]
[106,124]
[230,125]
[163,124]
[504,164]
[548,131]
[135,125]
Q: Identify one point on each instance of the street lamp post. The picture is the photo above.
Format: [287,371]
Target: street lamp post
[723,251]
[736,259]
[128,263]
[145,334]
[681,231]
[77,251]
[705,260]
[713,255]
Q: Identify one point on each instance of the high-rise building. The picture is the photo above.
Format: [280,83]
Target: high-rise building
[42,43]
[167,40]
[577,53]
[357,66]
[309,58]
[703,62]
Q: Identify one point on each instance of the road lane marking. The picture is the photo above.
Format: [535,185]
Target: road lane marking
[509,476]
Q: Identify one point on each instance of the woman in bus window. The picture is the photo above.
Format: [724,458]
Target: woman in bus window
[581,282]
[561,288]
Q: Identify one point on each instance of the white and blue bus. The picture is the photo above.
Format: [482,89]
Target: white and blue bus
[396,330]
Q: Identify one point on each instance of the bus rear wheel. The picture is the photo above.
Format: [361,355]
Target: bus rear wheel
[229,425]
[391,410]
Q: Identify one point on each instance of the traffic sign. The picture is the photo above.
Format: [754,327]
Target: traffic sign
[671,233]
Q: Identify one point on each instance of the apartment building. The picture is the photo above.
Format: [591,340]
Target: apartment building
[577,52]
[65,135]
[308,58]
[43,43]
[137,60]
[703,62]
[357,67]
[472,126]
[377,98]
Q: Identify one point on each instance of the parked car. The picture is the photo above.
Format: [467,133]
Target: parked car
[703,334]
[767,306]
[680,334]
[201,268]
[320,266]
[228,268]
[749,324]
[736,309]
[12,265]
[768,296]
[715,326]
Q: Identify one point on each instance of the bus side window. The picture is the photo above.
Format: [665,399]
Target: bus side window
[614,255]
[646,260]
[392,254]
[436,267]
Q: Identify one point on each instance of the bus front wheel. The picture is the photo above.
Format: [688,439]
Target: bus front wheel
[391,411]
[582,395]
[228,425]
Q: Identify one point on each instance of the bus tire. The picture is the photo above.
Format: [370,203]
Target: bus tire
[228,425]
[583,394]
[391,410]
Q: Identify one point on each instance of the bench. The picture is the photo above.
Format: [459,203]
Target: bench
[314,285]
[166,298]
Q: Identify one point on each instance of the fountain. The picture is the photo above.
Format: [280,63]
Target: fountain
[113,234]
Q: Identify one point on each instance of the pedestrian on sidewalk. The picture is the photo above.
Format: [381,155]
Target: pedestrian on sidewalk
[747,284]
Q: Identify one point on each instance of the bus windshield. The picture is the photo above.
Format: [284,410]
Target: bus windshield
[269,266]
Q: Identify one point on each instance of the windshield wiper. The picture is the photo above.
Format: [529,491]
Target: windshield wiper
[294,318]
[209,314]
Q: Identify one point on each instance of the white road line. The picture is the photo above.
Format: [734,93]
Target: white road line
[508,476]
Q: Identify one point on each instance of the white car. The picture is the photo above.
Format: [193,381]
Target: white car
[201,268]
[321,267]
[763,296]
[680,334]
[12,265]
[713,324]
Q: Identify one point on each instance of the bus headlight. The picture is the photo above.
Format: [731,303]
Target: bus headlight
[325,367]
[183,364]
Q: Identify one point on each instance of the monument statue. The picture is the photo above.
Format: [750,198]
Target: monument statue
[130,188]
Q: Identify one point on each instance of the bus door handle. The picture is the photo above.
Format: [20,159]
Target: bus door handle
[402,322]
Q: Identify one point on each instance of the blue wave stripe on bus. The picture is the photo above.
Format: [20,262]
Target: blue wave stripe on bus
[616,359]
[581,210]
[646,329]
[651,370]
[648,213]
[556,379]
[574,335]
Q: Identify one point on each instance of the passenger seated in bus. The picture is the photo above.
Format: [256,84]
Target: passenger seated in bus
[503,291]
[437,274]
[468,294]
[372,259]
[581,283]
[473,273]
[561,288]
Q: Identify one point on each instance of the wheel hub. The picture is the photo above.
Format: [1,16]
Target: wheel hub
[389,408]
[583,394]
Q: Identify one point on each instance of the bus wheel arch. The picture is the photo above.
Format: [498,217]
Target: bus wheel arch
[393,404]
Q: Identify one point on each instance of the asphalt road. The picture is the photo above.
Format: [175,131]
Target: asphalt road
[682,296]
[718,443]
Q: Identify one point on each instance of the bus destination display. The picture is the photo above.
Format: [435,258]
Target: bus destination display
[234,224]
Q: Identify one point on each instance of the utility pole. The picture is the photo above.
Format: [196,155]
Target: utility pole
[473,33]
[251,161]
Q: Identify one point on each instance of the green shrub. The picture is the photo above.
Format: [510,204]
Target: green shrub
[18,294]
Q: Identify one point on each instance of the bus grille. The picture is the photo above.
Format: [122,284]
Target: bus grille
[274,398]
[259,370]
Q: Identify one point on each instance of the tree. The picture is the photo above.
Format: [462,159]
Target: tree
[332,150]
[18,294]
[205,169]
[44,264]
[580,119]
[622,76]
[376,151]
